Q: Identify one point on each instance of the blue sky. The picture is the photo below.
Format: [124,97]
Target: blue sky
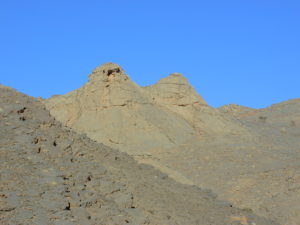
[236,51]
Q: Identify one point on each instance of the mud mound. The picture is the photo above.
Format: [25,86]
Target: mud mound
[51,175]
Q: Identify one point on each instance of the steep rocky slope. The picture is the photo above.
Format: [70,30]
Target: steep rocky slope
[52,175]
[247,156]
[258,172]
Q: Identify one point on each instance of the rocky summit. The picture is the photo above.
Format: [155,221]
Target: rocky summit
[114,110]
[113,152]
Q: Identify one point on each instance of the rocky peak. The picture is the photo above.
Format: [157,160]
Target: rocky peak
[174,78]
[174,90]
[108,72]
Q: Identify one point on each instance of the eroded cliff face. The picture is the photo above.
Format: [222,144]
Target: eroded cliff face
[115,111]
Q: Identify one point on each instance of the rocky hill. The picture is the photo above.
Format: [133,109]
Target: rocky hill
[51,175]
[247,156]
[113,110]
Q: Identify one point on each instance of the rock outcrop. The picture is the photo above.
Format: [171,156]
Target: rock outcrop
[113,110]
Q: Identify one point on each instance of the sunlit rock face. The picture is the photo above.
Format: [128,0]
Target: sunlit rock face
[114,110]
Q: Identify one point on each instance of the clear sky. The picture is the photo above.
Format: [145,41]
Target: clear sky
[245,52]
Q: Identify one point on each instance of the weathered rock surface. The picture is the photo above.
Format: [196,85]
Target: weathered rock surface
[52,175]
[113,110]
[247,156]
[176,95]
